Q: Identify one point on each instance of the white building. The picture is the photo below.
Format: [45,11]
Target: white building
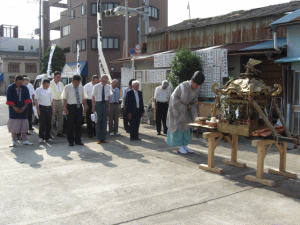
[17,57]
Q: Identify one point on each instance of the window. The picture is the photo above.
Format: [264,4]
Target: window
[72,13]
[110,5]
[105,6]
[67,50]
[82,45]
[94,44]
[94,9]
[66,30]
[21,47]
[107,43]
[104,43]
[153,13]
[83,10]
[13,67]
[111,43]
[30,68]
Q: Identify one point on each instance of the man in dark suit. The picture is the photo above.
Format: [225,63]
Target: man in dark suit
[135,107]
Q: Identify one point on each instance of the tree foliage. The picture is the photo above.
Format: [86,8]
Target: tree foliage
[58,60]
[185,64]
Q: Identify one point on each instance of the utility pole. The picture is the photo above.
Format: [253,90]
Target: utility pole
[146,16]
[103,68]
[40,34]
[126,28]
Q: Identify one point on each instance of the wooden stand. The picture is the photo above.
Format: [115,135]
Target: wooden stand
[234,149]
[213,141]
[262,146]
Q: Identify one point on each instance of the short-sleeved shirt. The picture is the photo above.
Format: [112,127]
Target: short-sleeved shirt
[43,96]
[88,90]
[115,98]
[69,94]
[162,95]
[97,92]
[56,89]
[17,98]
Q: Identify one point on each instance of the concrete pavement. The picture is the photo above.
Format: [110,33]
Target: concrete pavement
[3,111]
[145,182]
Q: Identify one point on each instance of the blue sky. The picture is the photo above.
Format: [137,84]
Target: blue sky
[24,13]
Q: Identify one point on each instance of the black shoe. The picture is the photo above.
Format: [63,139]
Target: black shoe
[71,144]
[59,135]
[31,129]
[79,143]
[158,133]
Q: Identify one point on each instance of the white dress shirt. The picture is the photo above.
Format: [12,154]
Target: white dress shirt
[137,99]
[162,95]
[97,92]
[43,96]
[70,95]
[88,90]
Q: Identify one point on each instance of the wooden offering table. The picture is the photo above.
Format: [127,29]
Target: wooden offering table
[262,146]
[213,139]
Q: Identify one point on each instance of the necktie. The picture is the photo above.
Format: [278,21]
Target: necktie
[115,94]
[77,95]
[103,94]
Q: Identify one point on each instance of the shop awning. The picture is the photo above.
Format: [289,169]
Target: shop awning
[71,68]
[266,45]
[288,60]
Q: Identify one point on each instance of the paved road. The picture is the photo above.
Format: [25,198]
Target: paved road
[3,111]
[146,182]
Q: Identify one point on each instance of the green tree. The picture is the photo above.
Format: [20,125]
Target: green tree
[58,60]
[184,65]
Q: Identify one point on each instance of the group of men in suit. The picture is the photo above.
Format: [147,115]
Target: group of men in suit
[104,102]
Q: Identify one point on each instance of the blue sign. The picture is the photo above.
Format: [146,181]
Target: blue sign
[132,51]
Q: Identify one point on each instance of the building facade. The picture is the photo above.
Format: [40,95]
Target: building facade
[17,57]
[78,25]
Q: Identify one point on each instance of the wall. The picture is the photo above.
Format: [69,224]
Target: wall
[85,27]
[9,76]
[213,35]
[293,41]
[12,44]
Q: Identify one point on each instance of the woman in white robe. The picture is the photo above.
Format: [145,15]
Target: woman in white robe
[182,111]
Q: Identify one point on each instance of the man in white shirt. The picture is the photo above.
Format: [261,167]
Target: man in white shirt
[43,102]
[88,91]
[101,94]
[73,98]
[162,96]
[30,105]
[114,108]
[57,88]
